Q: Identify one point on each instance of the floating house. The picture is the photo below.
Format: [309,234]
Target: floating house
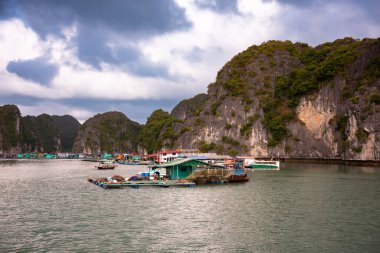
[30,155]
[213,158]
[152,157]
[132,157]
[106,156]
[69,156]
[182,167]
[49,156]
[168,155]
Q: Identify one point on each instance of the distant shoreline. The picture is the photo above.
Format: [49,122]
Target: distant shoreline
[332,161]
[371,163]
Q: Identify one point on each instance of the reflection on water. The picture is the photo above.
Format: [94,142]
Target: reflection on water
[49,206]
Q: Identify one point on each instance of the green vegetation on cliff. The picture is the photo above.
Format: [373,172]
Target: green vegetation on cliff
[311,67]
[68,128]
[108,132]
[189,107]
[319,64]
[9,127]
[46,133]
[40,133]
[158,132]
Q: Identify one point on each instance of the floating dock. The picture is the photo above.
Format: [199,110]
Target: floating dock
[138,183]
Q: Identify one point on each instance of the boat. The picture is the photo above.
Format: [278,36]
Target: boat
[264,165]
[239,174]
[105,165]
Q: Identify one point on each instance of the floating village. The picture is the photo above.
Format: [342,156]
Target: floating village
[179,167]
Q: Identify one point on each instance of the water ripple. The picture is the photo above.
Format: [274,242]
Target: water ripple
[48,206]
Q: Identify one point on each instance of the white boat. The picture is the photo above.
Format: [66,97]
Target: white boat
[264,165]
[252,163]
[106,165]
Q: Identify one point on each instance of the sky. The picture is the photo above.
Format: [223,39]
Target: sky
[92,56]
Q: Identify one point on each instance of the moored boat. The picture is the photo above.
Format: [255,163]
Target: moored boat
[106,165]
[239,175]
[264,165]
[238,178]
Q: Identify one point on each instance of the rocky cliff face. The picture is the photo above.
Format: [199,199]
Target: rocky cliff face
[68,128]
[43,133]
[189,107]
[10,132]
[40,134]
[288,100]
[46,133]
[107,132]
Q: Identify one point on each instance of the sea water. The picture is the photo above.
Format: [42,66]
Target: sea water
[48,206]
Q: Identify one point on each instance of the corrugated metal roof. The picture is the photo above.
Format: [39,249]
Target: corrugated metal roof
[179,161]
[173,163]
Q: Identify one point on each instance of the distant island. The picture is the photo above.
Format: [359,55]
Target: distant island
[279,99]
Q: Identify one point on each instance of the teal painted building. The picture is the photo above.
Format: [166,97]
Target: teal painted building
[49,156]
[107,156]
[182,168]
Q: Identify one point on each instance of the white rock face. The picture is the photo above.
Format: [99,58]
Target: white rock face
[353,128]
[315,116]
[369,148]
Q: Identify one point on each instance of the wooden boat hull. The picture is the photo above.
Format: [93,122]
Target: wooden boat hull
[238,178]
[105,168]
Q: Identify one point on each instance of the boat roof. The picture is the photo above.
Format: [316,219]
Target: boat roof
[210,157]
[181,161]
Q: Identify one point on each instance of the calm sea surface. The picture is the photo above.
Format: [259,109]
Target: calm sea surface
[48,206]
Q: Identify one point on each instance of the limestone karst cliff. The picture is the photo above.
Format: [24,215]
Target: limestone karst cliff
[10,132]
[107,132]
[279,99]
[43,133]
[46,133]
[290,100]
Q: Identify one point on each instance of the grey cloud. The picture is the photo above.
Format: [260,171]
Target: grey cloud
[94,50]
[18,99]
[220,6]
[137,18]
[137,110]
[195,55]
[98,21]
[150,69]
[370,7]
[317,22]
[37,70]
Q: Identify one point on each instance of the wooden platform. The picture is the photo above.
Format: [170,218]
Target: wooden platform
[138,183]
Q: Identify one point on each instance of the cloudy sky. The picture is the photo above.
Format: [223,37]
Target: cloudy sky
[91,56]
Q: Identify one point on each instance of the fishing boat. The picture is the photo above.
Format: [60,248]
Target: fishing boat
[105,165]
[238,174]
